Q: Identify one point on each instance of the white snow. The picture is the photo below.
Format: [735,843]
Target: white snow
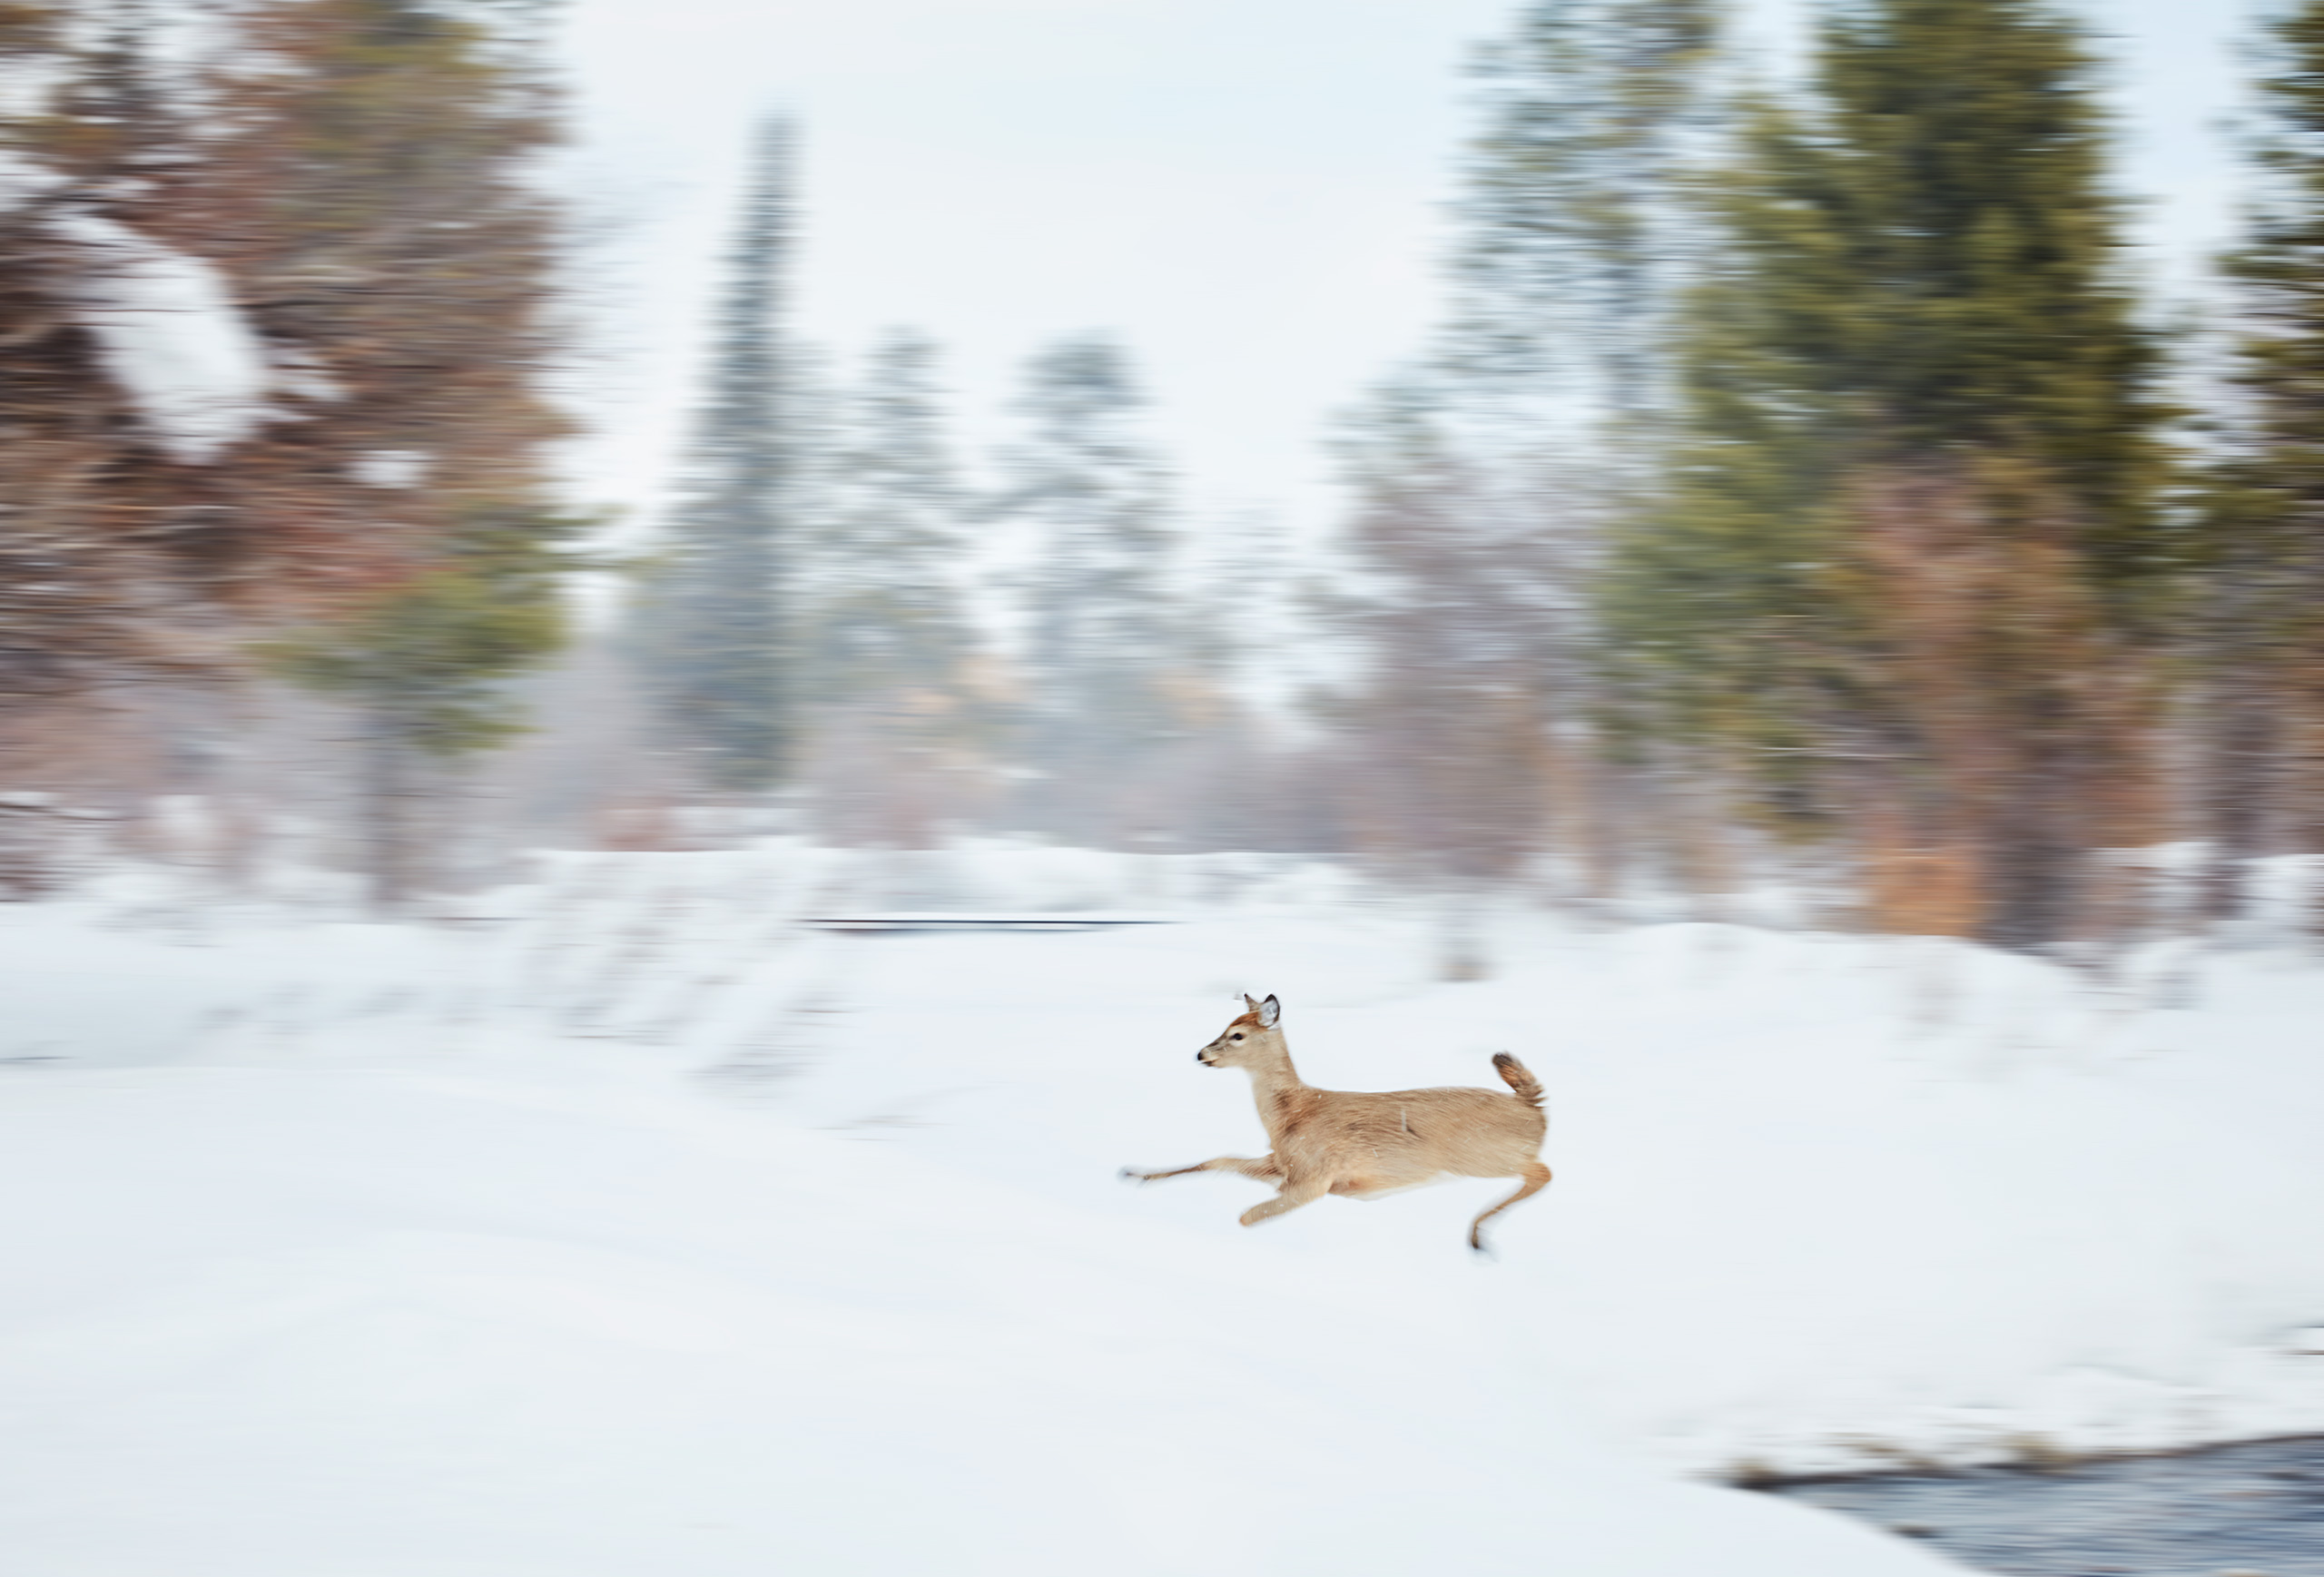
[390,468]
[622,1226]
[23,179]
[169,336]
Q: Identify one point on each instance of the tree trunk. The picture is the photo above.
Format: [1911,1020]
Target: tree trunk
[390,792]
[2036,846]
[2237,777]
[2033,880]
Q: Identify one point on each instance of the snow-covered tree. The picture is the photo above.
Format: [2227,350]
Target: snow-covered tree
[272,333]
[275,279]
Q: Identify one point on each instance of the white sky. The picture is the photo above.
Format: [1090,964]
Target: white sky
[1248,192]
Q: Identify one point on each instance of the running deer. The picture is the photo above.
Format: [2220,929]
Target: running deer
[1333,1141]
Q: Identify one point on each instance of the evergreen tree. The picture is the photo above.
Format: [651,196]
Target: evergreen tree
[425,667]
[1580,238]
[375,241]
[714,639]
[2263,635]
[1915,370]
[278,342]
[1573,216]
[885,668]
[883,600]
[1925,259]
[1096,602]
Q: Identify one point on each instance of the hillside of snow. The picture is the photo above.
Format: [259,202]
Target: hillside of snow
[622,1225]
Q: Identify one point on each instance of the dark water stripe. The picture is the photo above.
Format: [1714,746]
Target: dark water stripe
[2257,1508]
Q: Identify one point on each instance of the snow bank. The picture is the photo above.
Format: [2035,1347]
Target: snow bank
[262,1323]
[623,1226]
[169,336]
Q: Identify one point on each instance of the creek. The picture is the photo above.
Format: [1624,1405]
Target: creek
[2251,1510]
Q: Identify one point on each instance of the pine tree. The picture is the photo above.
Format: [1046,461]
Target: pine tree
[1579,239]
[714,636]
[1573,220]
[1097,604]
[2263,637]
[1969,288]
[887,651]
[424,667]
[1917,307]
[883,601]
[1925,259]
[378,241]
[357,234]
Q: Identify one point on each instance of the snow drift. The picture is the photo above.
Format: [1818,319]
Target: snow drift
[626,1226]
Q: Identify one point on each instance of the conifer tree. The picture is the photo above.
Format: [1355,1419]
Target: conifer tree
[886,660]
[1579,237]
[1925,259]
[1096,602]
[714,638]
[881,602]
[2263,646]
[275,278]
[424,667]
[379,253]
[1916,328]
[1573,216]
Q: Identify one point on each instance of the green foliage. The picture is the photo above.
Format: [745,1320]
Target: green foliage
[432,656]
[1920,264]
[2258,643]
[2264,498]
[1907,537]
[1936,263]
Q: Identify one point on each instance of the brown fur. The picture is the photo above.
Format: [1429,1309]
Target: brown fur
[1363,1145]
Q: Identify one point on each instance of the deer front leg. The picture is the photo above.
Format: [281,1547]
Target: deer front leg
[1306,1191]
[1264,1169]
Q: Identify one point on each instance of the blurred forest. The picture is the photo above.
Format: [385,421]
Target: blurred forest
[1800,499]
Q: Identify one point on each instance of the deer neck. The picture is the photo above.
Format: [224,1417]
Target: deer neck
[1274,1085]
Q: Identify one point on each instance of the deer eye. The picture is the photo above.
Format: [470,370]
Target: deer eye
[1239,1034]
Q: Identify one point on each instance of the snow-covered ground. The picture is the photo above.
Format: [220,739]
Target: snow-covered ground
[620,1225]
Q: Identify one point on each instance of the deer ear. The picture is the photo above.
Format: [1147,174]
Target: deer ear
[1250,1001]
[1270,1011]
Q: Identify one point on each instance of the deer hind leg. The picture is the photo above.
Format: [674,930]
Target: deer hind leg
[1306,1191]
[1264,1169]
[1536,1177]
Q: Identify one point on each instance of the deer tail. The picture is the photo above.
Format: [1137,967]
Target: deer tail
[1513,1073]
